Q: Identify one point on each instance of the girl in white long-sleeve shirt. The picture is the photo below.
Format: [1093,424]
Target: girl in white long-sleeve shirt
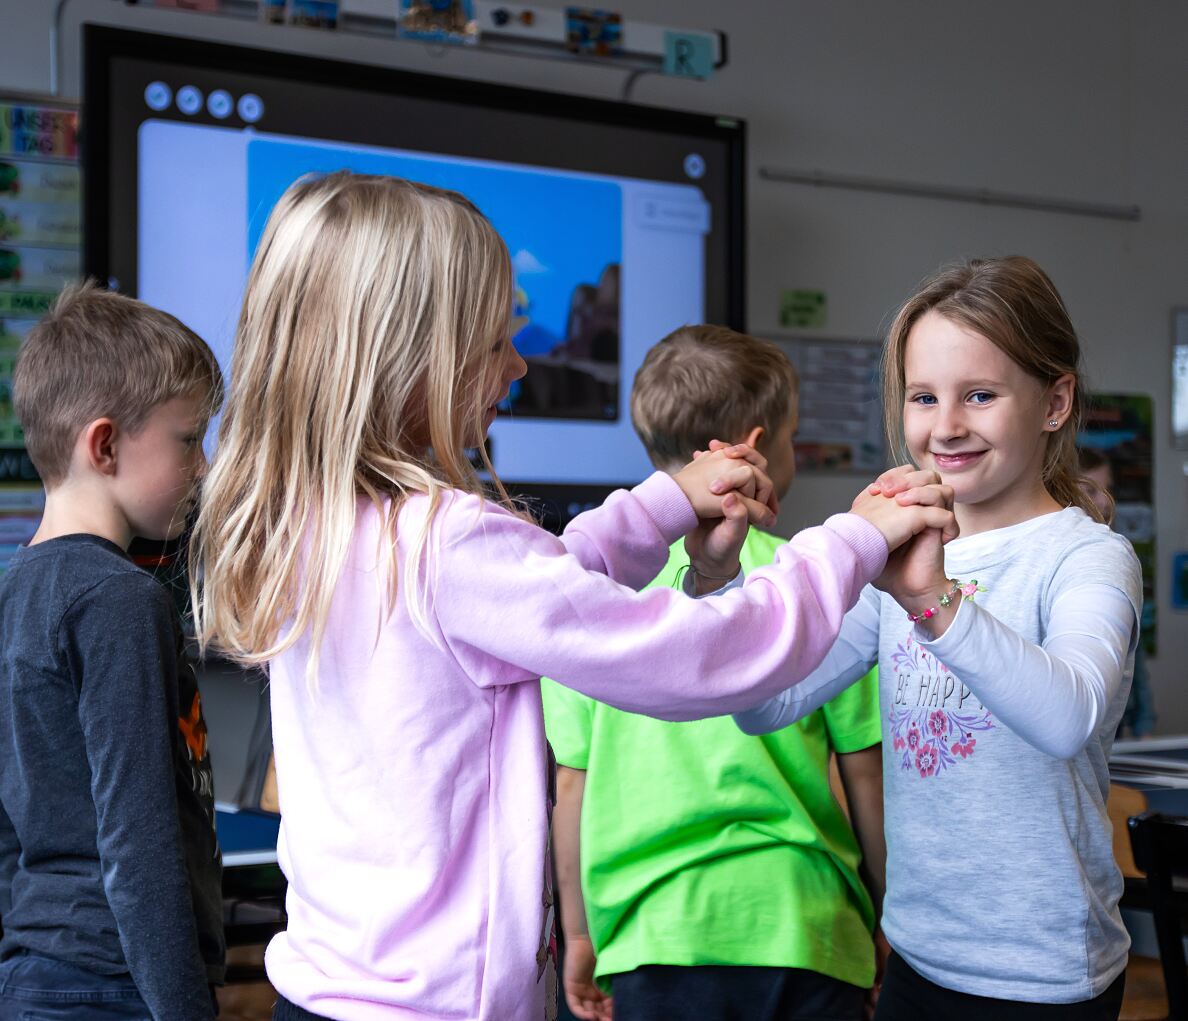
[1005,660]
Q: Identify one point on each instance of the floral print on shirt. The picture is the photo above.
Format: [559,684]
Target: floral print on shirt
[937,731]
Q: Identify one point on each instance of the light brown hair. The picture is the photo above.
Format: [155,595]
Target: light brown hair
[1013,304]
[708,382]
[97,354]
[369,325]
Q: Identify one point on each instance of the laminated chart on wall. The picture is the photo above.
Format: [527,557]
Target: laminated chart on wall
[40,251]
[841,409]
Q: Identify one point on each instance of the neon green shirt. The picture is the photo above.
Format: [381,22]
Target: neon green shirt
[701,845]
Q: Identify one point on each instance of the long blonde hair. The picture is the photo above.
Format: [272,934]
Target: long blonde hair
[368,323]
[1013,304]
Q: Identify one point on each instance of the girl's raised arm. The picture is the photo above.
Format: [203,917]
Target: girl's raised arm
[1055,695]
[853,654]
[512,605]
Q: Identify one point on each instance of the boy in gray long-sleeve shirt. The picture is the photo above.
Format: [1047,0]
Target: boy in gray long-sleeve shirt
[110,873]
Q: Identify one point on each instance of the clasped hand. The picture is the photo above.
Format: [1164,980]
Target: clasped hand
[729,490]
[914,511]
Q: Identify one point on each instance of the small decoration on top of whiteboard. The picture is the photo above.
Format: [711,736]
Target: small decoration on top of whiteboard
[593,32]
[689,54]
[437,21]
[314,13]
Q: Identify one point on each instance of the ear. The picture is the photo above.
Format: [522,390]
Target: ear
[755,437]
[1059,402]
[99,441]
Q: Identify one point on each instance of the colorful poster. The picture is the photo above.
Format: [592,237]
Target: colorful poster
[12,332]
[40,241]
[1119,427]
[38,132]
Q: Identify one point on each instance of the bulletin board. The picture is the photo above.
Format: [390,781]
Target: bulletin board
[841,407]
[1119,426]
[40,251]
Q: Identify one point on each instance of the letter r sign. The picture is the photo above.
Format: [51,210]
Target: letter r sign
[688,54]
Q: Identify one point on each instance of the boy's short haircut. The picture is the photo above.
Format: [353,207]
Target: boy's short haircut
[1091,459]
[708,382]
[99,354]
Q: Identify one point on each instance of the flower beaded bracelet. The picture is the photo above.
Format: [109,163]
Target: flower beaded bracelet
[966,589]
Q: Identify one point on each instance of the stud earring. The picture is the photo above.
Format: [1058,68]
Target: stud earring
[1053,422]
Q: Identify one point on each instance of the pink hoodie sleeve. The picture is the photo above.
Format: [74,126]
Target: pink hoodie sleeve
[514,605]
[628,537]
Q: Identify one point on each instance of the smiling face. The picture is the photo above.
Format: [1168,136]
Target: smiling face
[973,415]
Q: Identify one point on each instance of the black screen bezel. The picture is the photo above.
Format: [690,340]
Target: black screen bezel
[103,44]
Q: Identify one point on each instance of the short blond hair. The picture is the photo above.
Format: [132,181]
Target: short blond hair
[97,354]
[708,382]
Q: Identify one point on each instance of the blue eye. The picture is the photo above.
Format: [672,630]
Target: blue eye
[927,400]
[981,397]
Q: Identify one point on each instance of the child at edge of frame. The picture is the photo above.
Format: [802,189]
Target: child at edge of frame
[110,871]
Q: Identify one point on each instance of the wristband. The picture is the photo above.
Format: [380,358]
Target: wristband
[967,589]
[944,600]
[712,577]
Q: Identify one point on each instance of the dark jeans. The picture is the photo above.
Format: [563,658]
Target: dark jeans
[909,996]
[283,1010]
[718,992]
[34,988]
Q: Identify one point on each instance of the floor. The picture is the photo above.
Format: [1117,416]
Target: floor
[1145,998]
[246,1001]
[252,1001]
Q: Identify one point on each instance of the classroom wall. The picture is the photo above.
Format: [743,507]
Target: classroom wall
[1073,99]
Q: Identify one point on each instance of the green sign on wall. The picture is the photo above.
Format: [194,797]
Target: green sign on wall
[801,309]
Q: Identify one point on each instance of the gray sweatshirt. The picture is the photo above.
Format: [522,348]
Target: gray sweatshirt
[1001,879]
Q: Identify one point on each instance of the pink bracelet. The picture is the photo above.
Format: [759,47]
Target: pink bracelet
[945,600]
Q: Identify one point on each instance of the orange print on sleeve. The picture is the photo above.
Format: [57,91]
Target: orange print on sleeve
[193,728]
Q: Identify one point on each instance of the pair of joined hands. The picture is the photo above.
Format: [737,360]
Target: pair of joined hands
[729,489]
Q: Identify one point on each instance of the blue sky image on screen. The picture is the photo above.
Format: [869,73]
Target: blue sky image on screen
[562,230]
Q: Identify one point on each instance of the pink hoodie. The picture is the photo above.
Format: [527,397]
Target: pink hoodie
[414,782]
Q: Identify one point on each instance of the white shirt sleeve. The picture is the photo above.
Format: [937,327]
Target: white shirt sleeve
[1055,695]
[851,657]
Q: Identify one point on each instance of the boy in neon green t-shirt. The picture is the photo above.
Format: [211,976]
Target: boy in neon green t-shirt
[718,875]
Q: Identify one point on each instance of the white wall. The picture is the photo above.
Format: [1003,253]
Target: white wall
[1077,99]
